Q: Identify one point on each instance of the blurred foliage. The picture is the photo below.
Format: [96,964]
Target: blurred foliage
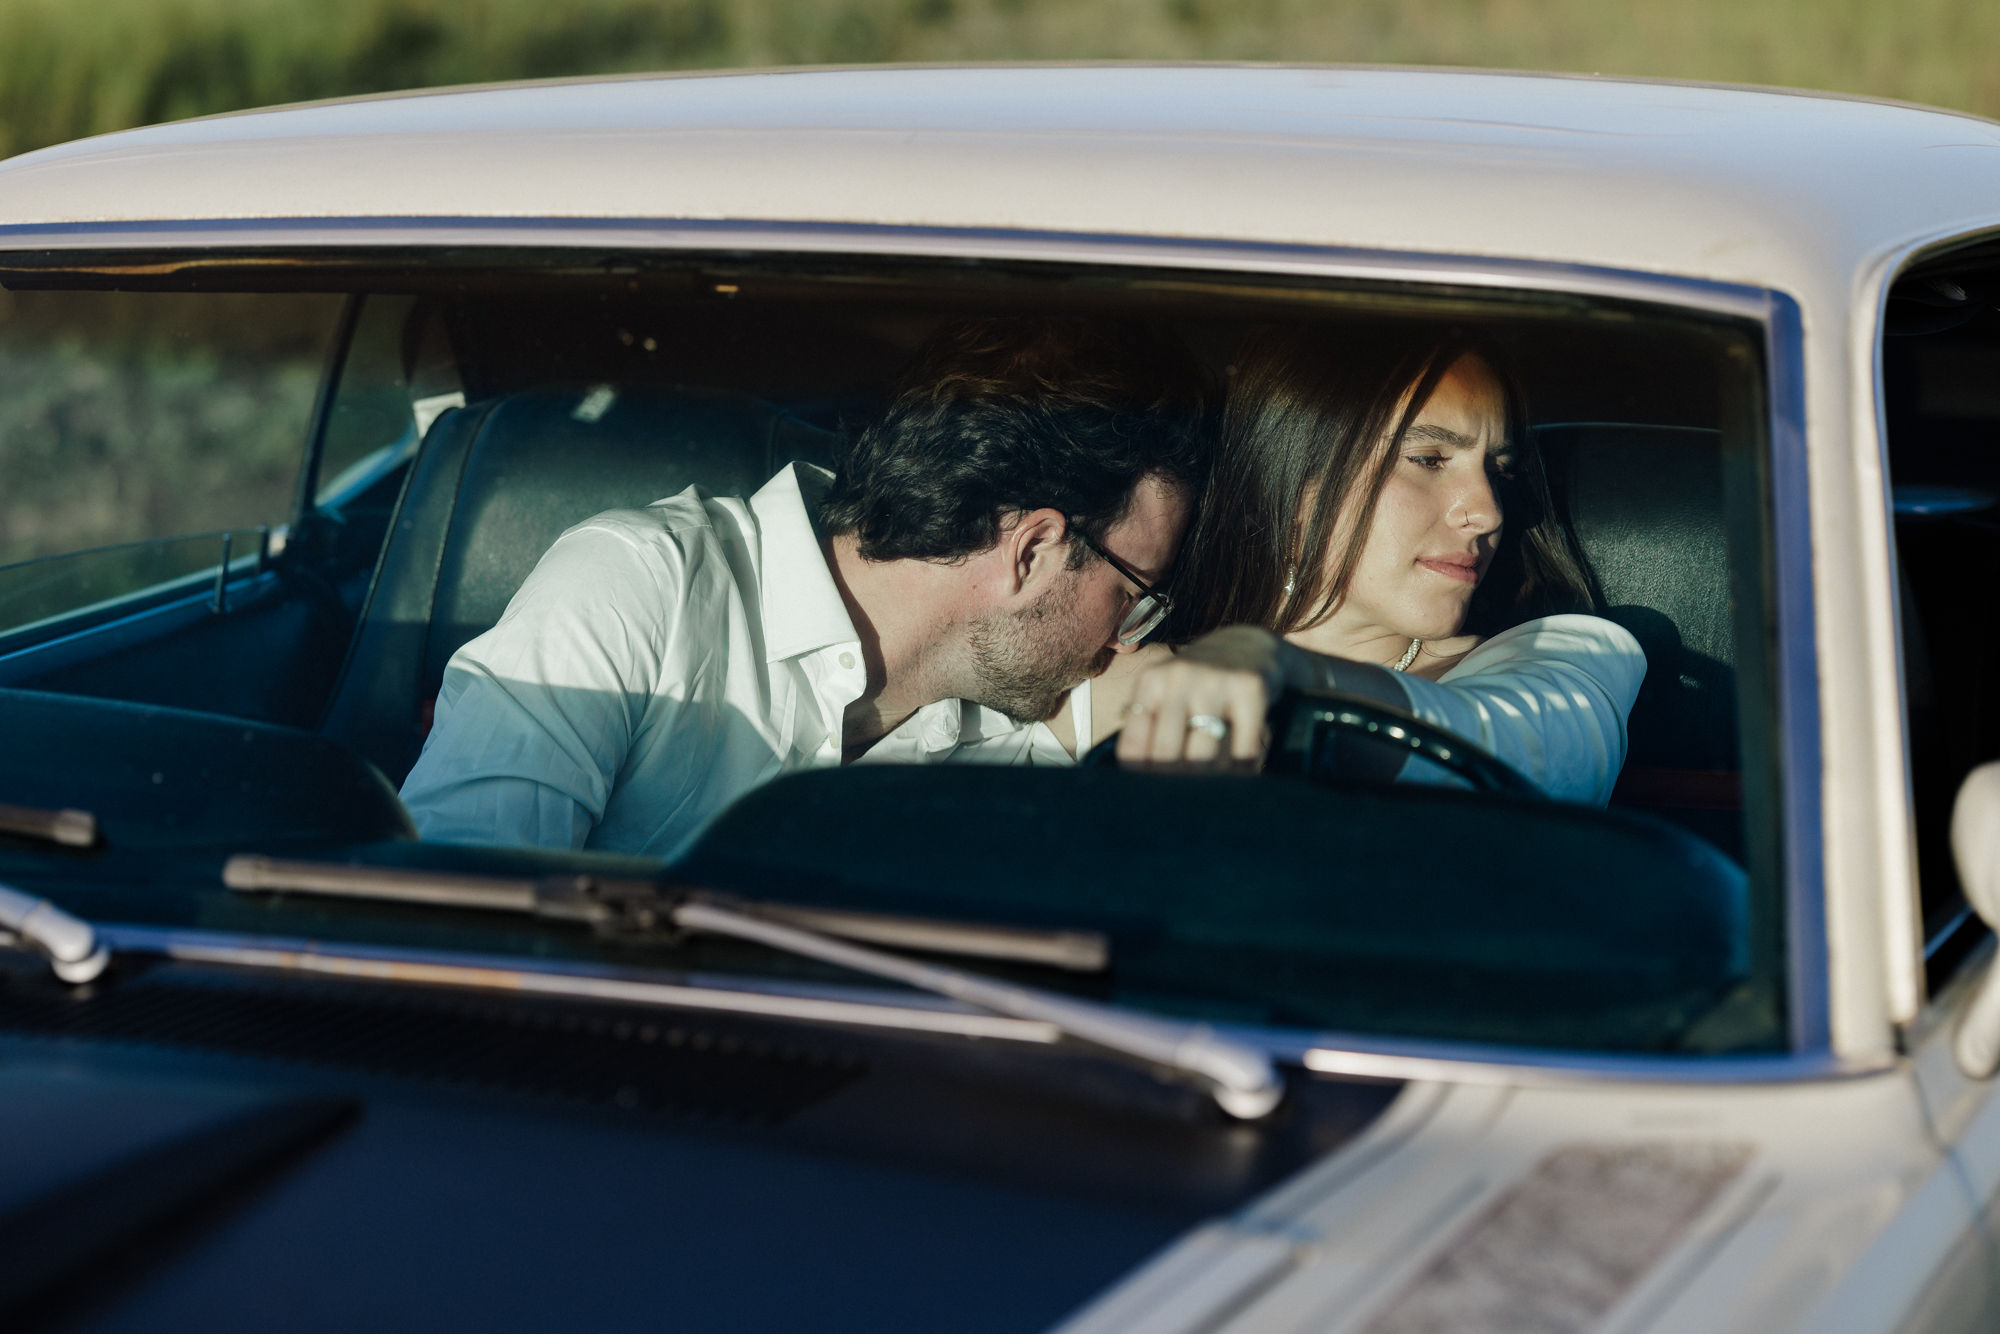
[122,420]
[137,415]
[70,69]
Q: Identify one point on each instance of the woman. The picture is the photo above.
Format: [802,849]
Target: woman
[1378,523]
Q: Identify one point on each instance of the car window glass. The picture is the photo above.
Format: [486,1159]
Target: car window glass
[609,386]
[1941,381]
[396,378]
[128,418]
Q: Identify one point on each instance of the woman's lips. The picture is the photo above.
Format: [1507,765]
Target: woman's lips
[1465,569]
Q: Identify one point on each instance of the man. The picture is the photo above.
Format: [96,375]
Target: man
[934,599]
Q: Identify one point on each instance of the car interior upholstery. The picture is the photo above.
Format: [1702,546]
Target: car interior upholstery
[493,485]
[582,404]
[1645,504]
[497,481]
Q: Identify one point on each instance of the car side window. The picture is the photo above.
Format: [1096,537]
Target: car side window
[398,375]
[1941,380]
[139,431]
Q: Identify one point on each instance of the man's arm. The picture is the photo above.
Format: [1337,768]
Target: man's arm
[537,715]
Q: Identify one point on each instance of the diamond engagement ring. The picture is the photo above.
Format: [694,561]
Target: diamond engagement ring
[1209,725]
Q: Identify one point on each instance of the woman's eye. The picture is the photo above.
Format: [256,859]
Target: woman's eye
[1428,462]
[1502,468]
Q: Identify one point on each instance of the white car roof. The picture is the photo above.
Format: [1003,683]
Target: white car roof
[1730,184]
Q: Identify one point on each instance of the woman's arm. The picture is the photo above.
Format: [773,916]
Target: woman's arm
[1550,698]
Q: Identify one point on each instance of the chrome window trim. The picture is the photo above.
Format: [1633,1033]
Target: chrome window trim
[1808,988]
[886,240]
[1467,1063]
[1346,1055]
[527,976]
[1800,771]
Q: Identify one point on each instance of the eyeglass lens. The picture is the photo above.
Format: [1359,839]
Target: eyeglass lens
[1140,619]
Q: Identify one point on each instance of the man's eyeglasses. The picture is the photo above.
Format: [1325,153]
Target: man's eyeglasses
[1149,610]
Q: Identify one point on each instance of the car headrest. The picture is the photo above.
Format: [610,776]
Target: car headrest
[1645,504]
[494,484]
[542,461]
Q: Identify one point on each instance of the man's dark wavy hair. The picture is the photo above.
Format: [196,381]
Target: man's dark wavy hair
[999,416]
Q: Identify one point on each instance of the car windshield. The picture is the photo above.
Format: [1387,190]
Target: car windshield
[254,507]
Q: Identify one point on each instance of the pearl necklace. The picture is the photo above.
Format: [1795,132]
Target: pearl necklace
[1403,663]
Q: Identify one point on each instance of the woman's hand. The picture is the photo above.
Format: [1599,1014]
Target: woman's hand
[1205,705]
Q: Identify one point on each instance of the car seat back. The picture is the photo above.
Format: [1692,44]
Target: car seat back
[494,484]
[1645,504]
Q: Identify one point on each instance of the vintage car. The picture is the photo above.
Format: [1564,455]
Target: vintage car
[979,1048]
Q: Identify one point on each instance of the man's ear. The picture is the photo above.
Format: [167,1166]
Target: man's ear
[1036,546]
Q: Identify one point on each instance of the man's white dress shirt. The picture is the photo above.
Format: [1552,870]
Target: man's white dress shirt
[657,664]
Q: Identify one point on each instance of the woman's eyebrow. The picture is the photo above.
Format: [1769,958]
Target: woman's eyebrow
[1440,435]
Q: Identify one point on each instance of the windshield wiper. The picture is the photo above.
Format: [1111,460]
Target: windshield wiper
[71,829]
[70,943]
[1241,1079]
[637,909]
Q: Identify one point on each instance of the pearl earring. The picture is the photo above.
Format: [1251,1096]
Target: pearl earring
[1291,579]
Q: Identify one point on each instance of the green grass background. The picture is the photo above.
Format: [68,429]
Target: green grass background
[115,427]
[76,67]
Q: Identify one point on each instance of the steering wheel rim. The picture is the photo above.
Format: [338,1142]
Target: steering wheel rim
[1321,712]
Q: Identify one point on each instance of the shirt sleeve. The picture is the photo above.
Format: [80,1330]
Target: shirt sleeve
[1550,698]
[535,717]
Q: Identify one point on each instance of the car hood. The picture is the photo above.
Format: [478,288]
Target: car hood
[233,1150]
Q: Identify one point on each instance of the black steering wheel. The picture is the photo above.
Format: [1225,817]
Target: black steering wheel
[1304,723]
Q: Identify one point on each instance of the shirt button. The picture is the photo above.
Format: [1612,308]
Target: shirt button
[847,660]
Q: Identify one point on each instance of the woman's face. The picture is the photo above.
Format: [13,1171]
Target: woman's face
[1437,522]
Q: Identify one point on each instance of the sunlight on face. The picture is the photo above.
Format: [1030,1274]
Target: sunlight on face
[1438,520]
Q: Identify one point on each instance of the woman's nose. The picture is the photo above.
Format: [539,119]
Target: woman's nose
[1477,506]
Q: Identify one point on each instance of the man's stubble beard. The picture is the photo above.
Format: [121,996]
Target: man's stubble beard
[1025,663]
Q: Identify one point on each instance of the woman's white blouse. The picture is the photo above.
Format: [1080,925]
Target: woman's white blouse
[1549,697]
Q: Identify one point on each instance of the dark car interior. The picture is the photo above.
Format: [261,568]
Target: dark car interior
[380,587]
[1941,395]
[555,398]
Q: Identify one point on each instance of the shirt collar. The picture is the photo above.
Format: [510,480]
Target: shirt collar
[941,727]
[802,607]
[804,613]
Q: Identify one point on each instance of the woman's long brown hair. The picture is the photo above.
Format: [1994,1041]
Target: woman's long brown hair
[1303,420]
